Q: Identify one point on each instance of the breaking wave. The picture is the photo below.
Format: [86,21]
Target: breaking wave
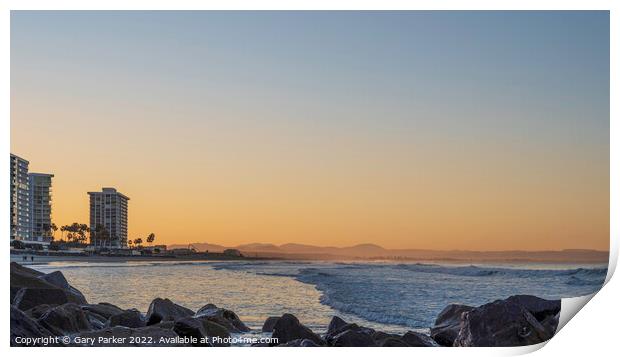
[412,294]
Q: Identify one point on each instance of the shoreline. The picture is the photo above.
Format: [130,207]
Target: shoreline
[50,258]
[43,258]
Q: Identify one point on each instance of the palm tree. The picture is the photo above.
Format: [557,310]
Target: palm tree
[54,229]
[129,242]
[151,238]
[100,235]
[83,230]
[63,229]
[137,241]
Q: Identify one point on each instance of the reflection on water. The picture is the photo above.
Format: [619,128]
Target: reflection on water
[253,297]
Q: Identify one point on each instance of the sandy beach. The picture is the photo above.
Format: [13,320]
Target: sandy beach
[43,258]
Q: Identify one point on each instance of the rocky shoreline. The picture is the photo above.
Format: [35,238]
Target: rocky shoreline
[47,311]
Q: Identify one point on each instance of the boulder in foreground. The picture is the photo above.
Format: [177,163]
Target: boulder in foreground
[23,326]
[417,339]
[448,324]
[65,320]
[103,309]
[202,329]
[150,336]
[299,343]
[223,317]
[392,342]
[270,323]
[288,328]
[502,323]
[28,298]
[335,324]
[538,307]
[352,335]
[39,288]
[128,318]
[353,338]
[190,327]
[165,310]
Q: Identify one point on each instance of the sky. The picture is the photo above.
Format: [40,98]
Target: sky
[432,130]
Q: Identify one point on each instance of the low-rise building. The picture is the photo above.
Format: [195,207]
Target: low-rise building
[182,251]
[155,249]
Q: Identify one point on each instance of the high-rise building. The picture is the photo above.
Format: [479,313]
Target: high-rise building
[108,210]
[20,200]
[40,207]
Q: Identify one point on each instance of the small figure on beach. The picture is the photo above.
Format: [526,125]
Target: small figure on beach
[32,258]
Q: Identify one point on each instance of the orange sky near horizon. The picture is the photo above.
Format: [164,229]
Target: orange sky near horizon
[185,196]
[217,141]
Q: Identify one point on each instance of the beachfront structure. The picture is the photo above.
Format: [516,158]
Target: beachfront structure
[20,200]
[108,209]
[40,186]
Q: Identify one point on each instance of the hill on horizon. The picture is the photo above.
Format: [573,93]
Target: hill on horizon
[374,251]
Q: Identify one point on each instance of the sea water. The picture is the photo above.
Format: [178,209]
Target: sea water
[388,296]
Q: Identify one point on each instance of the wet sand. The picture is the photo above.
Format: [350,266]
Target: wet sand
[42,259]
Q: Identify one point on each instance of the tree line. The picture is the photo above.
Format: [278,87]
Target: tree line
[78,233]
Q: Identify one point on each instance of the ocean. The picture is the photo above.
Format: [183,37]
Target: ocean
[388,296]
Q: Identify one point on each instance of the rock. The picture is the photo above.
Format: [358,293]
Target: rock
[380,337]
[270,323]
[99,314]
[103,309]
[288,328]
[128,318]
[538,307]
[550,323]
[353,338]
[300,343]
[191,327]
[150,336]
[501,323]
[165,310]
[335,324]
[331,336]
[448,324]
[27,298]
[22,270]
[37,311]
[213,329]
[165,325]
[57,279]
[416,339]
[96,321]
[23,326]
[392,342]
[216,335]
[65,319]
[22,277]
[223,317]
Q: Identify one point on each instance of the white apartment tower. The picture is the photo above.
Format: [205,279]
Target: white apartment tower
[40,207]
[20,200]
[108,209]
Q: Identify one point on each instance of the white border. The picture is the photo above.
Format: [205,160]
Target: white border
[586,337]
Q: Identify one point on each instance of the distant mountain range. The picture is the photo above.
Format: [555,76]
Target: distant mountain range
[373,251]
